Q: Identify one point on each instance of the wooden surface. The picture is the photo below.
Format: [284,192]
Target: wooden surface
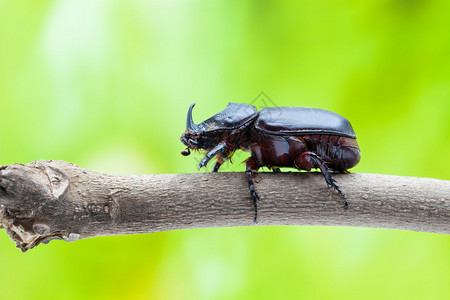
[44,200]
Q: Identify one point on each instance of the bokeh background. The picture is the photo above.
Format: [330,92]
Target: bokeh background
[106,84]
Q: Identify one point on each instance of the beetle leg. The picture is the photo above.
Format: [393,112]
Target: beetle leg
[312,160]
[214,151]
[216,166]
[250,169]
[276,170]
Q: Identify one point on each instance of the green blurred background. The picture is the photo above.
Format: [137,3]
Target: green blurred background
[106,85]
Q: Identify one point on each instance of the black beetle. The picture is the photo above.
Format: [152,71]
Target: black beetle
[296,137]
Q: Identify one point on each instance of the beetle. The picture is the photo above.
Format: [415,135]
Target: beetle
[296,137]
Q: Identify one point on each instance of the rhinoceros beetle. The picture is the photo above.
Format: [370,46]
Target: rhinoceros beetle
[295,137]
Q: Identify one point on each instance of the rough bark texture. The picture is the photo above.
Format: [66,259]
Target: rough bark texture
[44,200]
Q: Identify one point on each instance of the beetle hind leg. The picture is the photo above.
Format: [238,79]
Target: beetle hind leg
[310,160]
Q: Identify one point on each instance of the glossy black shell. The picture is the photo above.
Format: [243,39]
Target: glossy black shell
[301,121]
[233,116]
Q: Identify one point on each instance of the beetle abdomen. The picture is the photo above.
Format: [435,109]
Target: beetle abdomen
[340,153]
[301,121]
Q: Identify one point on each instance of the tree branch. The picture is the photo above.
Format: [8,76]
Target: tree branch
[44,200]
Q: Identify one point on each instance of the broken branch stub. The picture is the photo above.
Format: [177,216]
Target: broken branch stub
[32,203]
[46,200]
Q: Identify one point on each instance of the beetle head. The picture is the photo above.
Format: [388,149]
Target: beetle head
[195,137]
[219,127]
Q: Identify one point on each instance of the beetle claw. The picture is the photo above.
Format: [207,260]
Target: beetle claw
[336,187]
[328,178]
[255,198]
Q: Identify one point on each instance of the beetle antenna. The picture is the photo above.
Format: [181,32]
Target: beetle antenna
[186,153]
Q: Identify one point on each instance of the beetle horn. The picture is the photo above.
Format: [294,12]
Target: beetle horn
[189,121]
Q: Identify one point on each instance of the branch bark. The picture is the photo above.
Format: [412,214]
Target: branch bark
[46,200]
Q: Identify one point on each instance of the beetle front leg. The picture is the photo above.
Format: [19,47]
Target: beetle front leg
[214,151]
[308,160]
[216,166]
[251,167]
